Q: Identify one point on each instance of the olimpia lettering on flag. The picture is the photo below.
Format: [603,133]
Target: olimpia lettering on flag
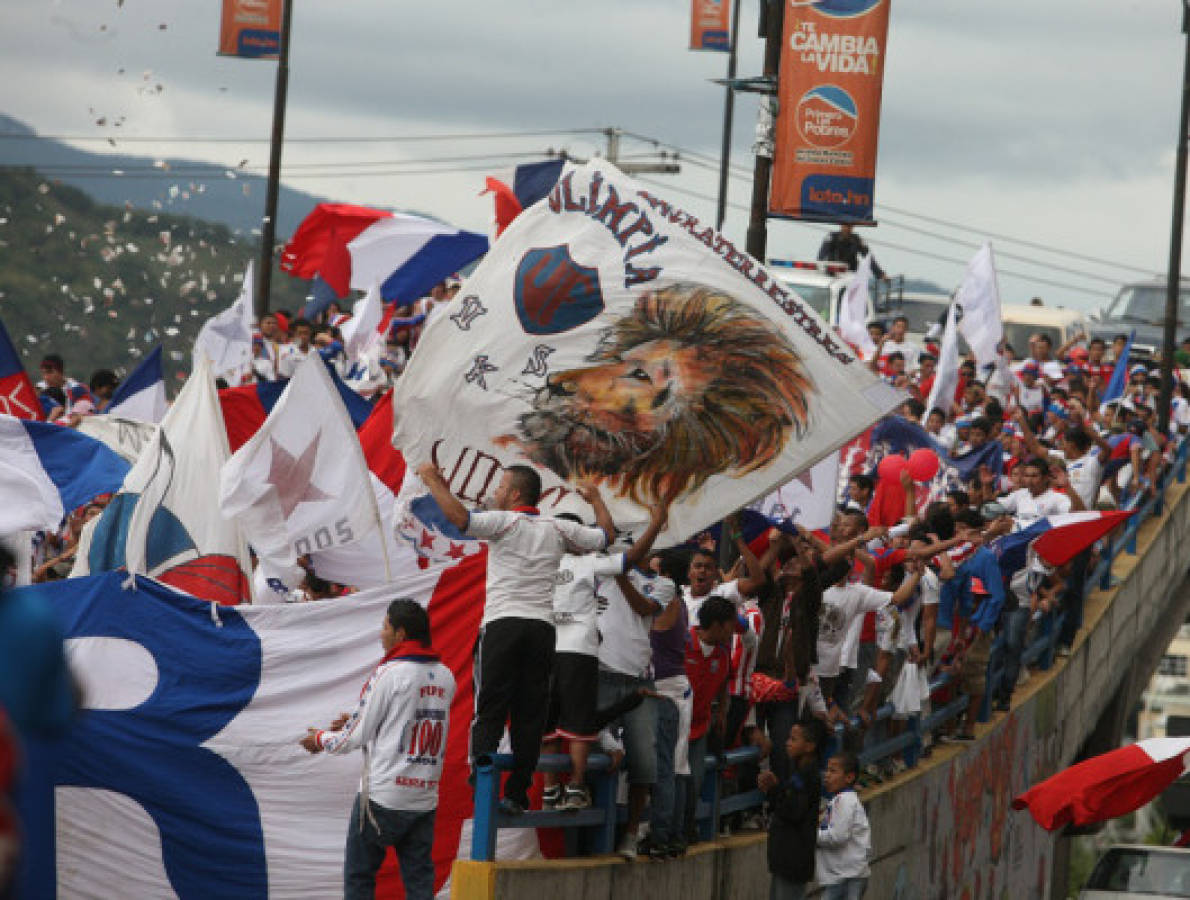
[610,335]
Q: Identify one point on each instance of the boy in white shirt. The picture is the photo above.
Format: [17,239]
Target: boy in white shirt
[573,700]
[844,837]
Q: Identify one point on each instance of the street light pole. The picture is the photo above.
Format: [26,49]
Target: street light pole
[1174,283]
[757,239]
[728,110]
[269,224]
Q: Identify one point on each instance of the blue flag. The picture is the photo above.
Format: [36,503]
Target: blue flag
[1119,375]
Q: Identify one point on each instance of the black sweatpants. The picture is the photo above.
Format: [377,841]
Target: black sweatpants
[514,662]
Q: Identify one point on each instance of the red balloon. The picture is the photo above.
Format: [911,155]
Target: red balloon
[891,467]
[923,464]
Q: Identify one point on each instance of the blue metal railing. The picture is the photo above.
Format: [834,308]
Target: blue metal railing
[592,830]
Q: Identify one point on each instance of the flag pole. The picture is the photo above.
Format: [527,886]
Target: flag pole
[1174,284]
[728,111]
[268,224]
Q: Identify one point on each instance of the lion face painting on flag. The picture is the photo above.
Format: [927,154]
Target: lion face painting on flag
[610,336]
[690,383]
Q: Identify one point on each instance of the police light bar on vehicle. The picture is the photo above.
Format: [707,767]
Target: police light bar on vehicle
[827,268]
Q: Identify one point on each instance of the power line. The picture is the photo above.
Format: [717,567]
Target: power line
[1004,237]
[1006,254]
[1033,279]
[710,163]
[362,139]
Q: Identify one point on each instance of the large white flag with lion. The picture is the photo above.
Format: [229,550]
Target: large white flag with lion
[609,334]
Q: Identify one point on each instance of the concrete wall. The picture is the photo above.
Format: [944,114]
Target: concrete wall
[945,829]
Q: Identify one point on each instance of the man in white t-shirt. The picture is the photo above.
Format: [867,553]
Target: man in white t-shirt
[896,343]
[574,697]
[515,656]
[842,604]
[1036,499]
[294,353]
[703,578]
[629,606]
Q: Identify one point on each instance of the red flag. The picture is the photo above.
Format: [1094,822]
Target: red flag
[1109,785]
[376,437]
[508,206]
[323,235]
[1073,533]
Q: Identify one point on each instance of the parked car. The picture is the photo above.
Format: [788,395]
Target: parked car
[1136,871]
[1141,305]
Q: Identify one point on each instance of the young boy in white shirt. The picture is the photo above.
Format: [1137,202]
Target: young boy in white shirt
[844,837]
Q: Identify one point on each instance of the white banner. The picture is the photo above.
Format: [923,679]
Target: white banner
[979,298]
[853,309]
[301,484]
[946,381]
[808,499]
[609,334]
[184,777]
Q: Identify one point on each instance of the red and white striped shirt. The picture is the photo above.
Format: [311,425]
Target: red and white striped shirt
[744,651]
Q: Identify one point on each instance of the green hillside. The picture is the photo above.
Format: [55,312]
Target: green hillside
[102,285]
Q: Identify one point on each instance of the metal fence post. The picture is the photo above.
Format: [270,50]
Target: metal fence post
[483,831]
[913,751]
[604,835]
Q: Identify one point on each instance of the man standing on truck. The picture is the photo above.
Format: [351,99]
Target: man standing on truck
[847,247]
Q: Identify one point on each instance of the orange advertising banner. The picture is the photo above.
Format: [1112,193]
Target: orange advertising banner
[710,25]
[830,82]
[251,29]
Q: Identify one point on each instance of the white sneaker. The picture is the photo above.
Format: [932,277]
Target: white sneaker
[627,847]
[575,796]
[753,822]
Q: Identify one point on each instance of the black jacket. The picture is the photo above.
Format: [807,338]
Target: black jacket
[793,828]
[847,249]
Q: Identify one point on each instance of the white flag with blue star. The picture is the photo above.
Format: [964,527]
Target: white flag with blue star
[300,485]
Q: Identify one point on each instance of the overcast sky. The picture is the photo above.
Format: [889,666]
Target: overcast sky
[1053,123]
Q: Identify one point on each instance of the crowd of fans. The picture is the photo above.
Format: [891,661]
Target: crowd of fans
[659,658]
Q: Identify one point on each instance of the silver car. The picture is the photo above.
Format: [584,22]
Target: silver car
[1142,872]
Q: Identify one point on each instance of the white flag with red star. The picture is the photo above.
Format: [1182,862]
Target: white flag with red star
[300,484]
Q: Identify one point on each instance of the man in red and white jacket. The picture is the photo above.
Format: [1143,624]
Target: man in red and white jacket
[401,721]
[708,665]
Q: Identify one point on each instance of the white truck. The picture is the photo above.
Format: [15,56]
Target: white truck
[821,284]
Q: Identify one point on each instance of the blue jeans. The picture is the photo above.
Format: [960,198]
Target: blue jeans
[1006,659]
[409,832]
[666,823]
[640,725]
[692,790]
[847,889]
[784,889]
